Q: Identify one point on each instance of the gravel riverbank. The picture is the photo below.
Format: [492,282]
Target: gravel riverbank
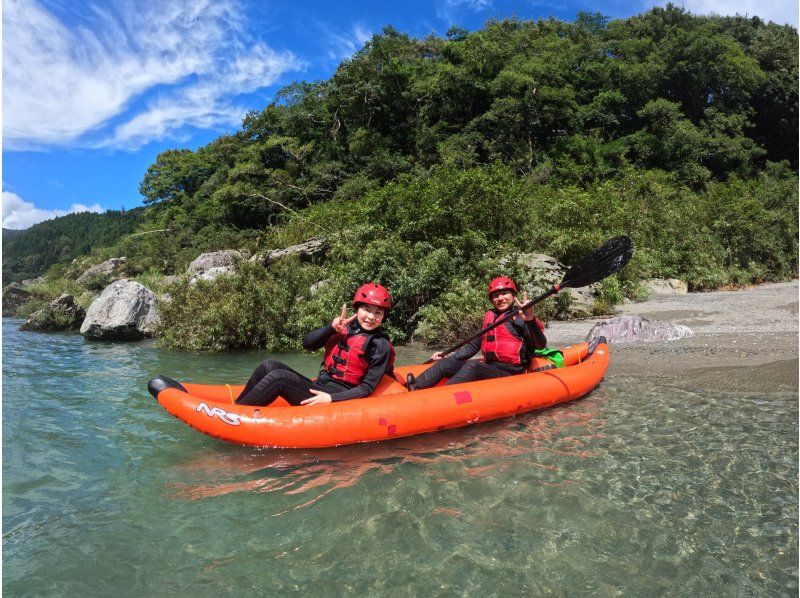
[745,340]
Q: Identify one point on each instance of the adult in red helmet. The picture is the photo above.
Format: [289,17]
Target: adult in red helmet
[507,349]
[357,355]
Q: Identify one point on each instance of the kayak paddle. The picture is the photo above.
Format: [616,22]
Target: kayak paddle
[603,261]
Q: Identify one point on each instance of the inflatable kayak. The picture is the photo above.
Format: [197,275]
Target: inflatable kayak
[390,412]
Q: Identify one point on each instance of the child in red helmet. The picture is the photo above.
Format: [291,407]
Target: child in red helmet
[507,349]
[357,355]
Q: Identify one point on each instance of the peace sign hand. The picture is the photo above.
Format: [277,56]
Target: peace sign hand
[341,322]
[527,314]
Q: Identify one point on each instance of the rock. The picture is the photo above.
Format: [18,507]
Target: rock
[125,310]
[542,271]
[669,286]
[581,301]
[319,285]
[306,251]
[101,275]
[215,259]
[62,314]
[626,329]
[13,298]
[213,273]
[29,282]
[174,279]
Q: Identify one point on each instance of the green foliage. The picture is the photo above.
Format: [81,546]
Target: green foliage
[703,98]
[249,310]
[28,253]
[453,316]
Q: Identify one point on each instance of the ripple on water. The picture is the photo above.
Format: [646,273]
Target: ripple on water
[638,489]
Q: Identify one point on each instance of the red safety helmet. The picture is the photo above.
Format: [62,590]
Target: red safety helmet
[501,283]
[373,294]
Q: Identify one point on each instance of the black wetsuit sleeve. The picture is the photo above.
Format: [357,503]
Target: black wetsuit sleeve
[317,338]
[537,334]
[378,364]
[467,350]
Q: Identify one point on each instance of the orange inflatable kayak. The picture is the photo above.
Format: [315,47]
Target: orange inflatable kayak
[390,412]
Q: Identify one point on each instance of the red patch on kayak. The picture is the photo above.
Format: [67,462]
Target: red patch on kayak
[382,421]
[462,397]
[392,430]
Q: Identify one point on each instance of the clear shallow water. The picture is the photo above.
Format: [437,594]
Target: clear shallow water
[636,490]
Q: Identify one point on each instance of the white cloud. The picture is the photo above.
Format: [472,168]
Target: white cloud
[449,9]
[475,5]
[778,11]
[97,81]
[19,214]
[345,44]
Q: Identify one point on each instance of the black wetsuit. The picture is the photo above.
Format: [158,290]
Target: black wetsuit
[272,379]
[458,368]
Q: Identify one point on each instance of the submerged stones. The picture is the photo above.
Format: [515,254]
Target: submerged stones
[627,329]
[125,310]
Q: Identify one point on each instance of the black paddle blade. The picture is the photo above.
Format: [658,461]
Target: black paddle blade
[603,261]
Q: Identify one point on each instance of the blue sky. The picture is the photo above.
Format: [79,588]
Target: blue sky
[93,91]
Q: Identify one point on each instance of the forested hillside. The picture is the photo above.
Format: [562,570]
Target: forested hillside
[703,98]
[425,161]
[28,253]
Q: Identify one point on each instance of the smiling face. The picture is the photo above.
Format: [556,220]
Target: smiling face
[370,316]
[502,299]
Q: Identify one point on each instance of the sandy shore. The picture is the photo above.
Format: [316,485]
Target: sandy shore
[745,340]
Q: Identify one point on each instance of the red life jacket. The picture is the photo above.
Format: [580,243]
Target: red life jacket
[345,357]
[504,344]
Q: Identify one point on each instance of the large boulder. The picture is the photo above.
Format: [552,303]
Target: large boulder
[97,277]
[541,271]
[669,286]
[61,314]
[628,329]
[14,297]
[125,310]
[225,258]
[305,251]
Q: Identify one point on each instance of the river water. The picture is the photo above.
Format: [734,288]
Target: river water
[639,489]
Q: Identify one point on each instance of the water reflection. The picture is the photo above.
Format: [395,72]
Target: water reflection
[535,442]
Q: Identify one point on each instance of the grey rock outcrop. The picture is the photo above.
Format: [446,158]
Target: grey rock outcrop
[225,258]
[97,277]
[306,251]
[13,298]
[212,273]
[61,314]
[669,286]
[541,271]
[627,329]
[28,282]
[125,310]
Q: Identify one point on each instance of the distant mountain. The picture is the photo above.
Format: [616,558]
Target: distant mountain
[28,253]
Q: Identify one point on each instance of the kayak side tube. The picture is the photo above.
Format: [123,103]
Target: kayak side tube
[391,412]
